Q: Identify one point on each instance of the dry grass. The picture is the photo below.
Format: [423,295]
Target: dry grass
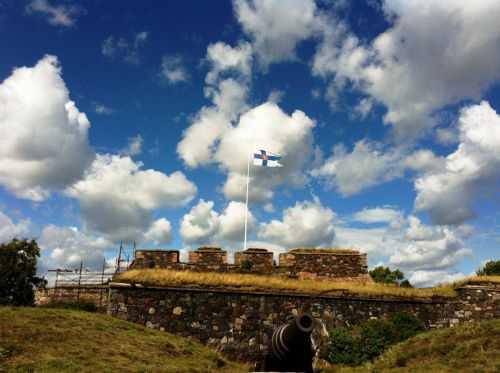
[248,282]
[477,280]
[307,250]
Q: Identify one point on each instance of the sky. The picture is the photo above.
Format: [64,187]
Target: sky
[129,122]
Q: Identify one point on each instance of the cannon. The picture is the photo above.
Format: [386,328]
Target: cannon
[290,348]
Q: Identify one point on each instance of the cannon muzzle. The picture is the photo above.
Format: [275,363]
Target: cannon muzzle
[290,349]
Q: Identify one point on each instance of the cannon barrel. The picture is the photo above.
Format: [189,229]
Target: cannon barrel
[290,349]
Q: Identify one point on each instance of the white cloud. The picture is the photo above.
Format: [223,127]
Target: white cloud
[159,232]
[434,54]
[363,108]
[173,70]
[276,30]
[427,248]
[43,136]
[224,58]
[265,127]
[10,230]
[405,242]
[432,278]
[367,165]
[199,140]
[134,146]
[378,215]
[117,197]
[203,225]
[307,224]
[470,172]
[102,109]
[370,164]
[121,48]
[66,247]
[57,15]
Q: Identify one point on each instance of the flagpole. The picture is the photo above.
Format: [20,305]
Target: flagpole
[246,203]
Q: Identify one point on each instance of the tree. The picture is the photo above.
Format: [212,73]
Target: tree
[491,268]
[18,272]
[386,276]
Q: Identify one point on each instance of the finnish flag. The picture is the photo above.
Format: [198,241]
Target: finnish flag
[266,159]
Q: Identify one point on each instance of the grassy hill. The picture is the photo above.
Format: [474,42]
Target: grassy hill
[471,347]
[56,340]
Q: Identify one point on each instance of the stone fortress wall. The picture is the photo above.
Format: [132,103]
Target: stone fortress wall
[343,264]
[240,323]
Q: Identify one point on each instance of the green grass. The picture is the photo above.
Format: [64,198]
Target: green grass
[250,282]
[57,340]
[470,347]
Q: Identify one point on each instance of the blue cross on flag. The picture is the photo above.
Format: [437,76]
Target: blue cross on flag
[266,159]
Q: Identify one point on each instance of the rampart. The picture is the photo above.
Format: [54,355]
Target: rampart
[297,263]
[240,323]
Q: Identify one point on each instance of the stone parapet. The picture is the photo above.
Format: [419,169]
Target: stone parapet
[155,259]
[208,258]
[324,263]
[254,260]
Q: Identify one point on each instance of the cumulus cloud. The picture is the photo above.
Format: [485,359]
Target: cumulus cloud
[265,127]
[199,140]
[378,215]
[371,163]
[66,247]
[117,197]
[121,48]
[223,58]
[10,230]
[307,224]
[173,70]
[276,30]
[470,172]
[203,225]
[56,15]
[404,241]
[134,146]
[367,165]
[433,55]
[43,136]
[427,248]
[432,278]
[159,232]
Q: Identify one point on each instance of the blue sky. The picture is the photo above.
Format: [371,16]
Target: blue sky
[122,121]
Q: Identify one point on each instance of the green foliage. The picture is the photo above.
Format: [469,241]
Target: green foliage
[18,272]
[355,346]
[491,268]
[246,265]
[384,275]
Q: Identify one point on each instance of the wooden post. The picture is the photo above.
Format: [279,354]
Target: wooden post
[79,282]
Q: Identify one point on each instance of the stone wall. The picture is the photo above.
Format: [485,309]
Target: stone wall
[240,324]
[255,260]
[208,258]
[326,264]
[95,294]
[155,259]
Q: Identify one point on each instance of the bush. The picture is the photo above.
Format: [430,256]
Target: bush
[355,346]
[491,268]
[18,272]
